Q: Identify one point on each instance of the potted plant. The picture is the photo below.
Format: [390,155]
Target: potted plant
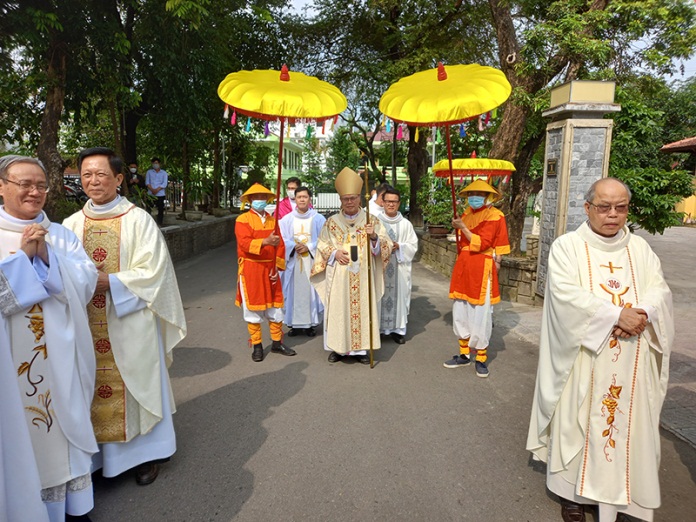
[435,200]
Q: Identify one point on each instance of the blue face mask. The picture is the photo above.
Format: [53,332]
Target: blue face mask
[259,205]
[476,202]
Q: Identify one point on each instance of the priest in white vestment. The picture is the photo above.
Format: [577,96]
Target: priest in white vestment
[396,301]
[347,243]
[300,230]
[46,281]
[606,335]
[136,317]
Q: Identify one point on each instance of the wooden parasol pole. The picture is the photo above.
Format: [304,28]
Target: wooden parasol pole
[369,262]
[451,180]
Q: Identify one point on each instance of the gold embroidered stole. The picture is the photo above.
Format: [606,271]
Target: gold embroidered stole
[102,242]
[607,447]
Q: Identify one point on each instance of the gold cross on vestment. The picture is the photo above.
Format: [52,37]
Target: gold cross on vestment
[611,267]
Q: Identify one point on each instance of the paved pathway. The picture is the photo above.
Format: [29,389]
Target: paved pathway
[295,438]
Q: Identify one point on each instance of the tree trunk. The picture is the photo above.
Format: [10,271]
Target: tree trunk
[217,166]
[186,169]
[417,165]
[130,149]
[47,150]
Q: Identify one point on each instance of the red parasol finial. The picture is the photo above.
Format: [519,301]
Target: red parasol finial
[441,73]
[473,154]
[284,74]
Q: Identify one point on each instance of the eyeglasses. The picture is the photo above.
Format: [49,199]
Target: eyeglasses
[605,209]
[391,202]
[346,199]
[27,186]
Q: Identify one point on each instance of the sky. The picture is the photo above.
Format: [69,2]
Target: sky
[689,65]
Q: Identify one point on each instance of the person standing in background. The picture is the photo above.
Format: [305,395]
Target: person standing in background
[156,180]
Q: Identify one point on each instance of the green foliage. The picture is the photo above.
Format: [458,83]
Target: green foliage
[655,193]
[435,199]
[62,209]
[342,151]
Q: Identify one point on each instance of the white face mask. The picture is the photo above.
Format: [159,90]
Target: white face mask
[133,170]
[291,194]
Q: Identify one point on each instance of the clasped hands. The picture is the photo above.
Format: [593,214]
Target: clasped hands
[632,321]
[33,242]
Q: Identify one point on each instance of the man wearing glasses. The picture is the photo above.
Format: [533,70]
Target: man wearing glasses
[347,243]
[606,335]
[46,281]
[396,301]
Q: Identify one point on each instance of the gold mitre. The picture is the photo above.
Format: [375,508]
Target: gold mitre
[348,182]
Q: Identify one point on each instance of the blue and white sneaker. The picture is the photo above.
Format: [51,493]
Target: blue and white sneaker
[457,361]
[481,370]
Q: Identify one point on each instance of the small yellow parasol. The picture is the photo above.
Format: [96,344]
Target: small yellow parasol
[468,169]
[278,95]
[445,96]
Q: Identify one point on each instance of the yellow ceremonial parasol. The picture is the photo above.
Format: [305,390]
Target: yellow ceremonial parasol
[279,95]
[445,96]
[468,169]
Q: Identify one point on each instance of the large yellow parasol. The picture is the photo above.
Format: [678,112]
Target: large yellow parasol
[280,95]
[445,96]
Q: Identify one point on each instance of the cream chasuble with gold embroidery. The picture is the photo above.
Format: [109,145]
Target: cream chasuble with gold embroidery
[43,310]
[595,418]
[126,242]
[344,288]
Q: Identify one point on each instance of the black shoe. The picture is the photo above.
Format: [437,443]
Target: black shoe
[398,338]
[146,473]
[292,332]
[257,354]
[310,332]
[77,518]
[572,511]
[363,359]
[279,347]
[334,357]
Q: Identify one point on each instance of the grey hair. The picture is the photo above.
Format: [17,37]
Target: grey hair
[590,194]
[7,161]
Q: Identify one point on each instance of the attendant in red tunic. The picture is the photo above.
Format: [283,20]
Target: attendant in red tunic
[474,284]
[260,253]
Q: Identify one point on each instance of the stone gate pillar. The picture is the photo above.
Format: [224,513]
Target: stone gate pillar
[578,141]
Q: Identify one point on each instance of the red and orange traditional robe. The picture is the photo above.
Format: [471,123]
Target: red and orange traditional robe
[475,265]
[257,262]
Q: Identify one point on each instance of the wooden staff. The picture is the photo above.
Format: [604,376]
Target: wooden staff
[369,261]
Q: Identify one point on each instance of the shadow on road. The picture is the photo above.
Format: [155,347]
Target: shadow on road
[217,434]
[189,362]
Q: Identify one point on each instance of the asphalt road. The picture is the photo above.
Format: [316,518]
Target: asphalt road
[295,438]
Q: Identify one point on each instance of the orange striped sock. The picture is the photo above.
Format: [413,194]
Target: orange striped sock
[254,333]
[464,347]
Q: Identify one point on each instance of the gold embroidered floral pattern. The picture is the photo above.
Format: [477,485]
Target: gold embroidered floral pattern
[36,323]
[610,406]
[44,413]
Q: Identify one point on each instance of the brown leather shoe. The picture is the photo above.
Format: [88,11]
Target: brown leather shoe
[146,473]
[572,511]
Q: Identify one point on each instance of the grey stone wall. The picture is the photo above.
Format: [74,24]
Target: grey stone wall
[547,233]
[197,238]
[586,167]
